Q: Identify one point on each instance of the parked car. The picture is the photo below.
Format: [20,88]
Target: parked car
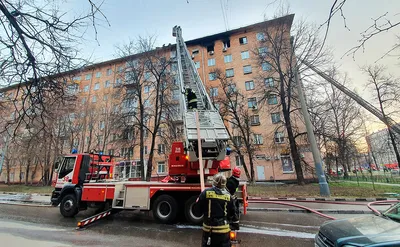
[371,230]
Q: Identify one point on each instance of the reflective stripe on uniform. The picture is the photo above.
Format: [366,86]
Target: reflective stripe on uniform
[192,100]
[217,229]
[213,195]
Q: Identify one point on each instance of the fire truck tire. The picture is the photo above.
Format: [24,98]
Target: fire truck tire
[165,209]
[192,212]
[69,206]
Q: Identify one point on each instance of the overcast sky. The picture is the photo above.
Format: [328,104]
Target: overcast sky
[198,18]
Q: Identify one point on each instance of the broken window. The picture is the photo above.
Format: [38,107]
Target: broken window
[227,44]
[243,40]
[210,48]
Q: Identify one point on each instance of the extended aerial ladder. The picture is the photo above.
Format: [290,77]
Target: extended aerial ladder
[368,106]
[213,133]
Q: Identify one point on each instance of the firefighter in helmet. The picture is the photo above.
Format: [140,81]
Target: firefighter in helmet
[191,99]
[232,185]
[217,205]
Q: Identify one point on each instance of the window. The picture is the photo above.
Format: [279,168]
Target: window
[88,76]
[146,103]
[84,100]
[231,88]
[275,117]
[269,82]
[173,54]
[109,71]
[249,85]
[245,55]
[239,159]
[227,44]
[212,76]
[252,103]
[217,106]
[98,74]
[71,89]
[107,84]
[147,75]
[262,51]
[255,120]
[260,36]
[287,166]
[213,91]
[76,78]
[279,137]
[247,69]
[119,69]
[105,97]
[175,94]
[94,99]
[161,149]
[243,40]
[174,67]
[197,65]
[237,141]
[195,52]
[257,139]
[118,82]
[86,88]
[229,73]
[161,167]
[272,100]
[211,62]
[228,58]
[210,49]
[101,125]
[266,66]
[97,86]
[146,89]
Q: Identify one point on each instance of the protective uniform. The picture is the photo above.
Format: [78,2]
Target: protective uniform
[232,185]
[191,99]
[217,205]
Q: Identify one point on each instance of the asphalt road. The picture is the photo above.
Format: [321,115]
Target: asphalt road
[44,226]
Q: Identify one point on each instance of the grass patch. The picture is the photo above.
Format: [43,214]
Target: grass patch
[26,189]
[337,189]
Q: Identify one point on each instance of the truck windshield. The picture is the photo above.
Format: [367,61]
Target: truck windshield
[393,212]
[67,166]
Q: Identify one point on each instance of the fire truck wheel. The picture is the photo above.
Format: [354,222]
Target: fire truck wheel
[68,206]
[165,209]
[192,211]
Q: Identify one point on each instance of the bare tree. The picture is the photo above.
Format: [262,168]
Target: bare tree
[277,59]
[147,79]
[234,109]
[381,23]
[38,43]
[386,91]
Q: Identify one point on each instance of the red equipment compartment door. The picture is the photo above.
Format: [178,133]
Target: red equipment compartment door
[98,193]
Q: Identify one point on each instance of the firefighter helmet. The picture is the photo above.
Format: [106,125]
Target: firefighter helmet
[236,172]
[219,181]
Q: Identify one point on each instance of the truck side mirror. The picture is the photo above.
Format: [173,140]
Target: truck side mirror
[56,165]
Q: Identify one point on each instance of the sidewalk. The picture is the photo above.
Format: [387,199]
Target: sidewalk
[377,183]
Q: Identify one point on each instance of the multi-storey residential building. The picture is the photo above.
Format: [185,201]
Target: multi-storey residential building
[100,101]
[382,148]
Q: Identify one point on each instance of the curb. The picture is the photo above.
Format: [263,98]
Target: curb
[25,202]
[321,199]
[20,193]
[326,211]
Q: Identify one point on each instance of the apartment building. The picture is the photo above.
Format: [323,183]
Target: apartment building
[234,52]
[381,147]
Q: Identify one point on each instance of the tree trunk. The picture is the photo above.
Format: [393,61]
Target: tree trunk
[394,144]
[293,149]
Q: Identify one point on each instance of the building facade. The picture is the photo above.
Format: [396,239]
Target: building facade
[381,147]
[235,53]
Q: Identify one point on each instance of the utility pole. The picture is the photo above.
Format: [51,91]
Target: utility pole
[323,185]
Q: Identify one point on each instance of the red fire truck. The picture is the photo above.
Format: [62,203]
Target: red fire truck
[85,180]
